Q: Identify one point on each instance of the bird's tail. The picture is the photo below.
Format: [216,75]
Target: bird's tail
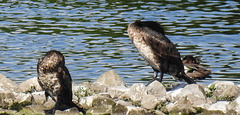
[186,78]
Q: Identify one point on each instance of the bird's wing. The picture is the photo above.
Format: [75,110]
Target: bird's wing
[163,47]
[65,81]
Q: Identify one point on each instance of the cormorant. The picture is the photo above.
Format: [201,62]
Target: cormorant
[193,68]
[56,81]
[161,54]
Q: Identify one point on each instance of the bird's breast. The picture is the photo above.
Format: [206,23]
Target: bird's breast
[146,52]
[50,82]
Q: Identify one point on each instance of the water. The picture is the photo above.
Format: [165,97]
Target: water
[93,37]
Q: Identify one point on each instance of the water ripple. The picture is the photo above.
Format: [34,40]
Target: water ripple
[92,35]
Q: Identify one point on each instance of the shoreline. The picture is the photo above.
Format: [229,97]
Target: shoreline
[110,95]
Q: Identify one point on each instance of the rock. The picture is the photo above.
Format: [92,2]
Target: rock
[120,109]
[101,105]
[6,98]
[7,84]
[184,109]
[156,88]
[81,90]
[225,90]
[117,91]
[99,87]
[219,106]
[136,92]
[36,109]
[21,97]
[86,102]
[157,112]
[70,111]
[191,94]
[30,85]
[151,101]
[101,100]
[135,111]
[49,103]
[235,105]
[39,97]
[107,79]
[100,110]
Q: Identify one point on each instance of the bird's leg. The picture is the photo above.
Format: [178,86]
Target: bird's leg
[154,77]
[160,77]
[46,96]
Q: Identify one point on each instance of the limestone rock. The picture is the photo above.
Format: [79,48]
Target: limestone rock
[21,97]
[136,92]
[120,109]
[156,88]
[100,110]
[191,94]
[225,90]
[135,111]
[39,97]
[175,108]
[36,109]
[101,100]
[107,79]
[86,102]
[81,90]
[101,105]
[149,101]
[70,111]
[235,105]
[117,91]
[219,106]
[6,98]
[7,84]
[30,84]
[49,103]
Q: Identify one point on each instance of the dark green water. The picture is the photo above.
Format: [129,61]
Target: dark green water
[93,36]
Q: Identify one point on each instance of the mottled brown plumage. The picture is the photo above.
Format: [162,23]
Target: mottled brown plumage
[193,68]
[55,79]
[150,40]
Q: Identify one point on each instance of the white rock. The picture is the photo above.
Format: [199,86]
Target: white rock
[235,105]
[28,84]
[6,98]
[117,91]
[156,88]
[220,105]
[191,94]
[136,92]
[135,110]
[7,84]
[39,97]
[225,89]
[111,79]
[21,97]
[86,102]
[106,80]
[151,101]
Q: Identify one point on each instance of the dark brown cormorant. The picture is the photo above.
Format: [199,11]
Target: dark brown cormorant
[56,81]
[193,68]
[162,55]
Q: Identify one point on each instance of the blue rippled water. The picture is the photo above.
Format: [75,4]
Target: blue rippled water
[93,36]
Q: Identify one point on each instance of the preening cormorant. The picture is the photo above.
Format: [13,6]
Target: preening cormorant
[161,54]
[193,68]
[56,81]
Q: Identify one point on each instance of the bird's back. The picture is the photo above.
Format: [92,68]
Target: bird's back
[54,77]
[151,42]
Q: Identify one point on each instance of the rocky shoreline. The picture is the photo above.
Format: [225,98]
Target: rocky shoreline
[109,95]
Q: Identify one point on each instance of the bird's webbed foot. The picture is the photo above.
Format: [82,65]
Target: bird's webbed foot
[50,111]
[158,79]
